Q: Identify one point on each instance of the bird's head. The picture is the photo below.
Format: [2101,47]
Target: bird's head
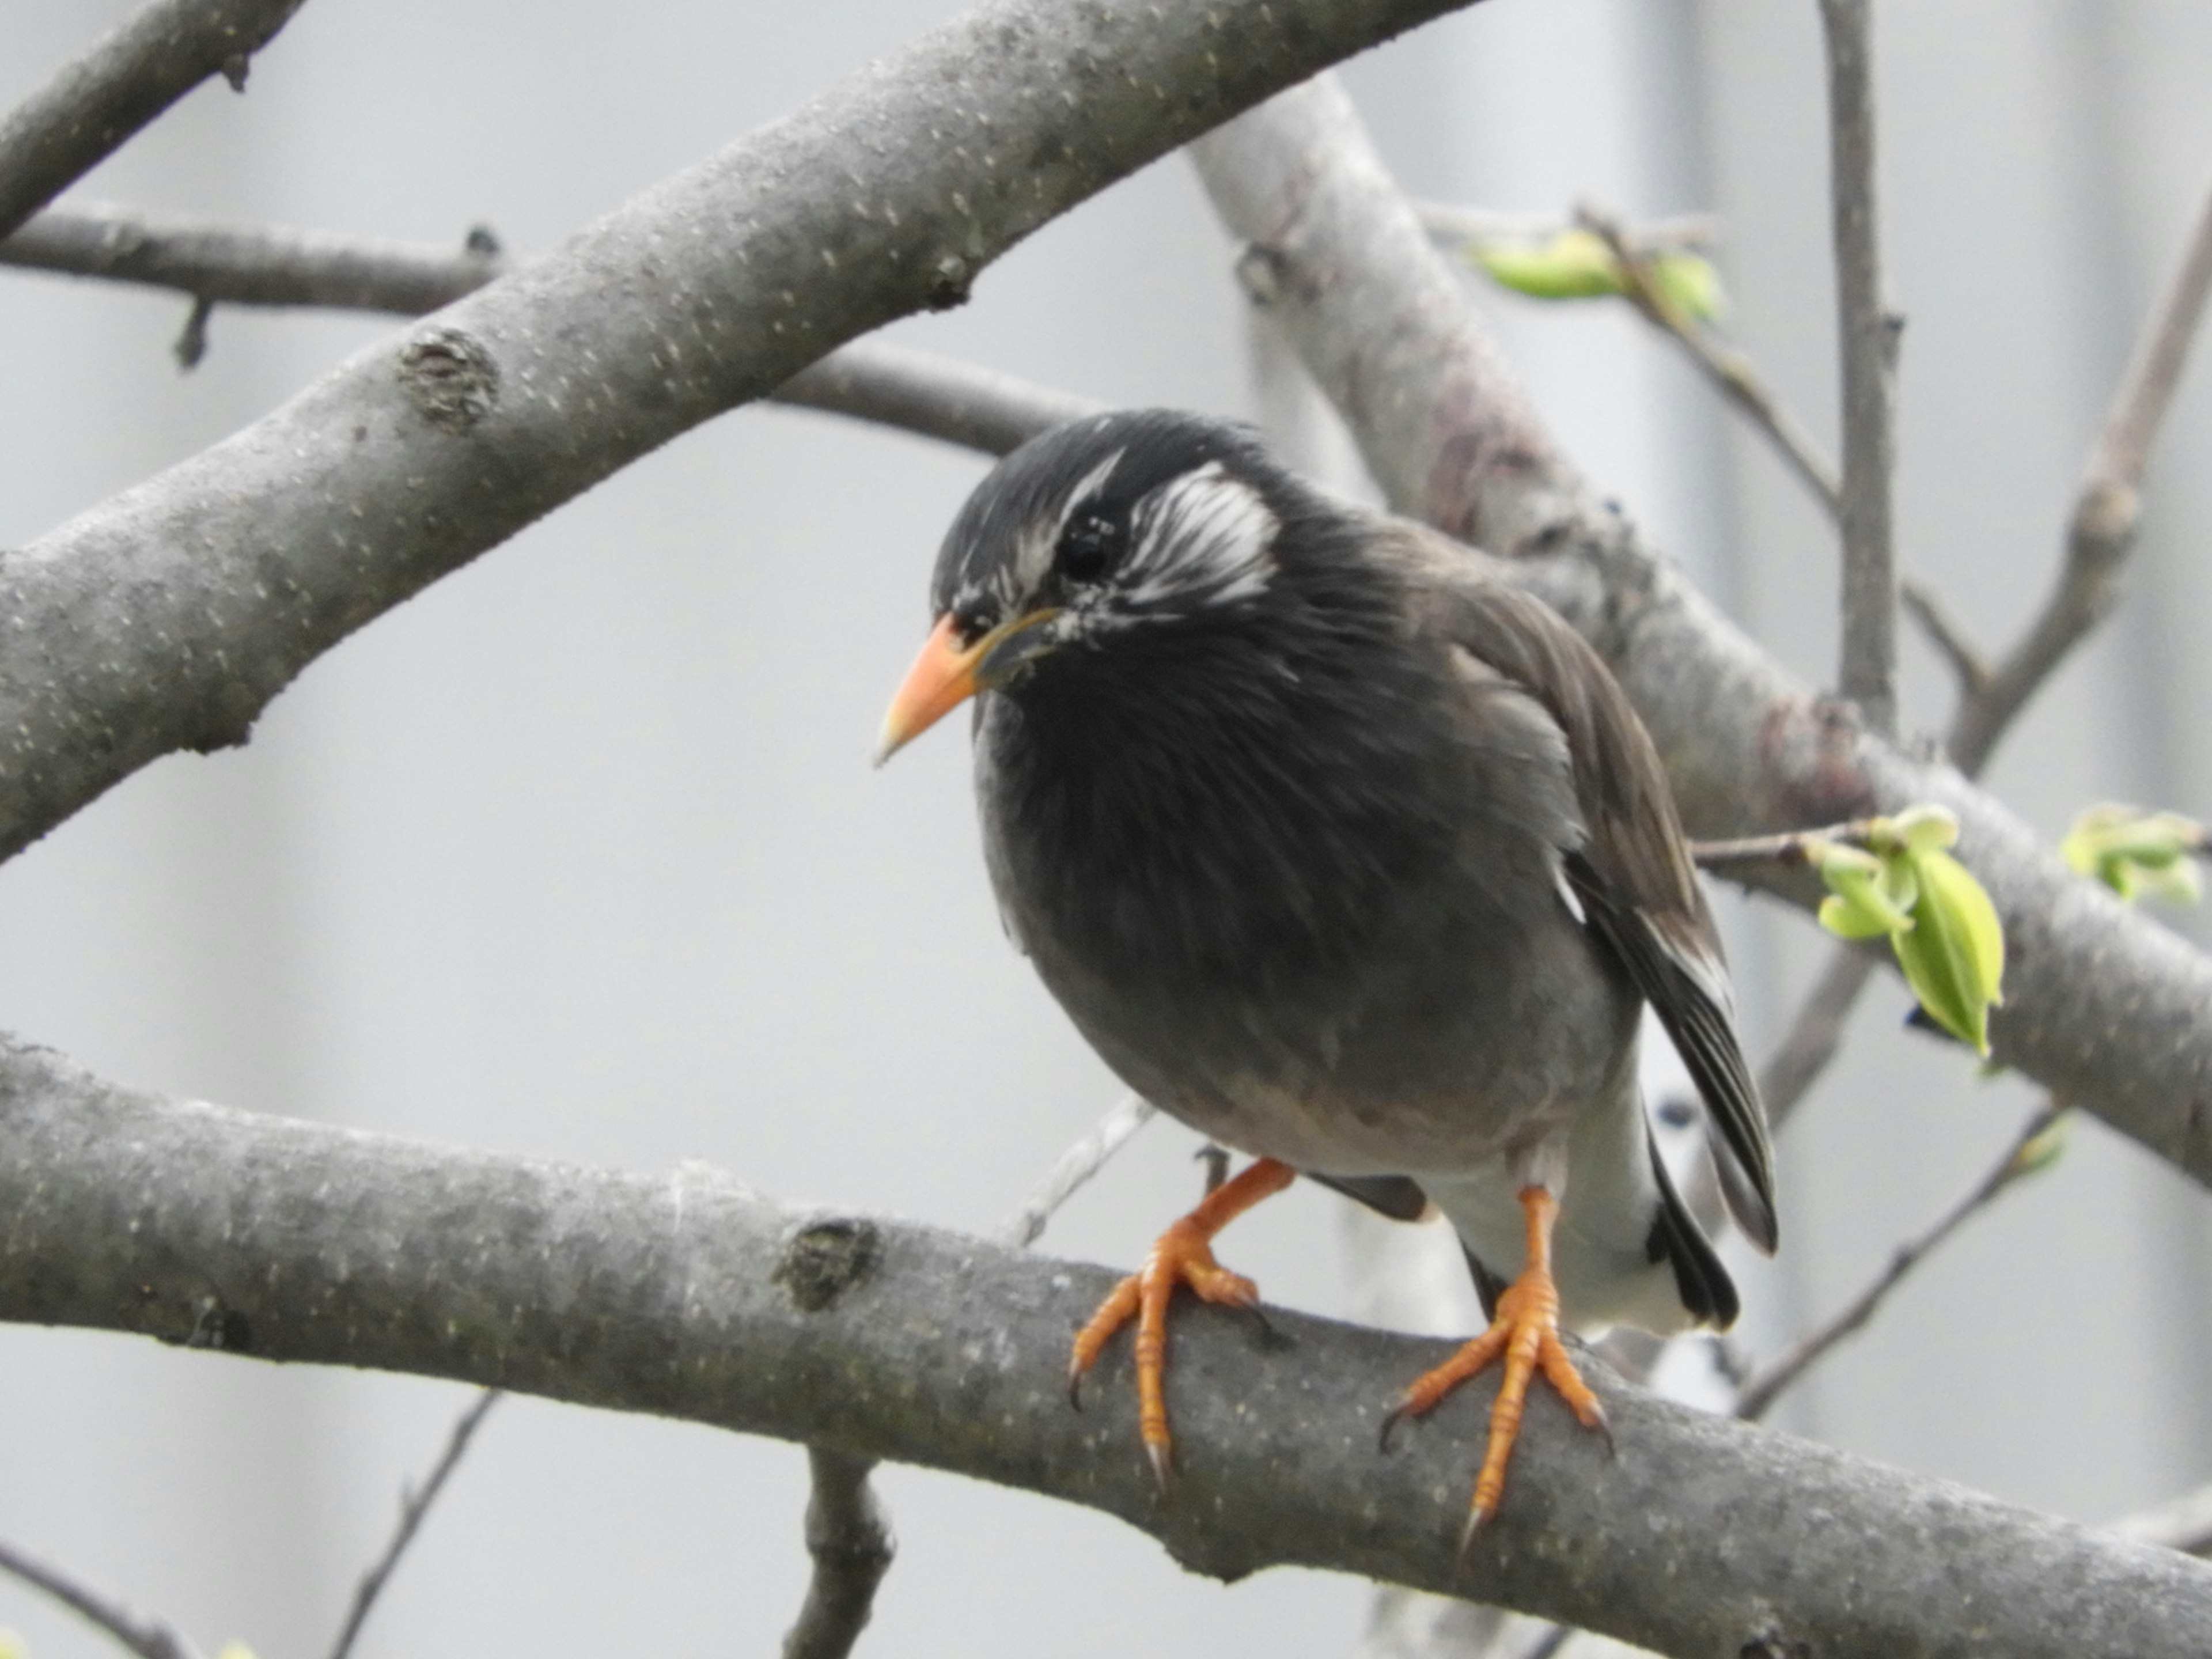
[1133,520]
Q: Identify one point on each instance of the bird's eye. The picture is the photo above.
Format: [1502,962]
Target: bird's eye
[1087,547]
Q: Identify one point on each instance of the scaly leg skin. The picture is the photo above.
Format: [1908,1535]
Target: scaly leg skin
[1525,1330]
[1182,1255]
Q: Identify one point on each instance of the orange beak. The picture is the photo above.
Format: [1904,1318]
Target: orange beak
[946,674]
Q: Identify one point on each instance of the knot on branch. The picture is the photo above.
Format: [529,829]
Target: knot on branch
[825,1259]
[450,378]
[950,280]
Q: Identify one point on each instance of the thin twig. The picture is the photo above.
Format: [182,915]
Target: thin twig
[1730,370]
[250,266]
[413,1507]
[1966,661]
[850,1539]
[149,1638]
[1868,339]
[1787,847]
[1073,1168]
[872,380]
[2102,531]
[126,78]
[1767,1385]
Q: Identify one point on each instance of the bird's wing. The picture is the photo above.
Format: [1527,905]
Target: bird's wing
[1632,875]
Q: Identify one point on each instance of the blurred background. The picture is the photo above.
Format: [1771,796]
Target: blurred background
[579,855]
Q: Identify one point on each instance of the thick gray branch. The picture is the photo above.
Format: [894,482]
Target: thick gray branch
[1867,343]
[687,1296]
[130,76]
[893,386]
[168,618]
[2103,1006]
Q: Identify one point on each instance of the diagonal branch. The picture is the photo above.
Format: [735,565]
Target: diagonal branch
[2102,532]
[413,1507]
[1382,322]
[128,77]
[1769,1385]
[688,1297]
[148,1639]
[1730,372]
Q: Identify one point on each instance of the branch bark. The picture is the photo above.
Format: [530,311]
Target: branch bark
[918,392]
[1868,341]
[2102,532]
[168,618]
[687,1295]
[130,76]
[2104,1007]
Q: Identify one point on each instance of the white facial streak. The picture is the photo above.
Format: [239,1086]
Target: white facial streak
[1204,536]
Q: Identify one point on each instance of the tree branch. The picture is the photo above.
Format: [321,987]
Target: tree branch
[148,1639]
[130,76]
[1730,372]
[1764,1389]
[413,1507]
[850,1541]
[2102,532]
[1867,338]
[870,379]
[168,618]
[239,265]
[1385,326]
[688,1297]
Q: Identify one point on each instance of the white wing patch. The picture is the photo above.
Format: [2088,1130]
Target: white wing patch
[1204,535]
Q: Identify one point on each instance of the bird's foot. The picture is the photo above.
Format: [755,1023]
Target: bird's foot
[1525,1334]
[1182,1255]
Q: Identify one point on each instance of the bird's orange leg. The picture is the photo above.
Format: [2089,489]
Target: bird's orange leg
[1182,1255]
[1525,1330]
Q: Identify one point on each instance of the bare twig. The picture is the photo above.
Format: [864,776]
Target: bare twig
[2183,1524]
[1073,1168]
[127,78]
[1768,1384]
[1786,846]
[872,380]
[2102,531]
[249,266]
[1868,338]
[149,1638]
[413,1507]
[1966,661]
[1728,368]
[850,1540]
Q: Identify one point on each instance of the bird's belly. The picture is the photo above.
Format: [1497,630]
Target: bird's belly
[1428,1052]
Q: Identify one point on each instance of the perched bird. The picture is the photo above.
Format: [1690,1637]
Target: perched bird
[1352,858]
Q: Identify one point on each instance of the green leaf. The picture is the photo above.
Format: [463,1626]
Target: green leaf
[1869,896]
[1953,955]
[13,1646]
[2135,853]
[1575,264]
[1689,283]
